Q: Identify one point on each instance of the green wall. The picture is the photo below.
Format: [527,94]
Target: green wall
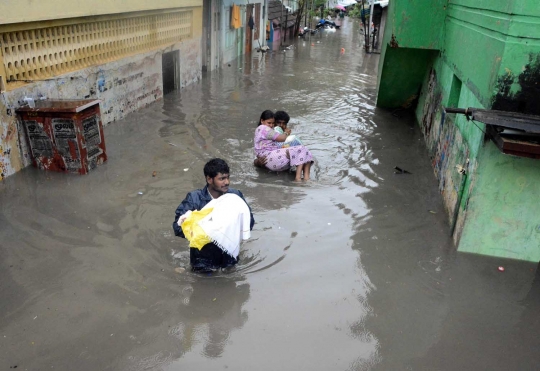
[502,218]
[402,74]
[414,33]
[485,46]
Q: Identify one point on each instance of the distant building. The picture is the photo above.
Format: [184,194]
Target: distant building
[280,24]
[231,29]
[483,55]
[127,54]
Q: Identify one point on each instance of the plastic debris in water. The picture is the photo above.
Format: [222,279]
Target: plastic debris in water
[501,269]
[186,169]
[141,193]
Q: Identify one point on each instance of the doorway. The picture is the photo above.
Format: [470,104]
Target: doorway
[170,63]
[249,28]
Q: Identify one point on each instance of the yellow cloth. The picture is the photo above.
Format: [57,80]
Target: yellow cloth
[236,22]
[194,233]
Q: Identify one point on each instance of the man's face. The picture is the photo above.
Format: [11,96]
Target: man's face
[219,184]
[282,124]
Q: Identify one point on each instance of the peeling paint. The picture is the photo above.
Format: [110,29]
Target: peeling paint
[123,86]
[447,149]
[527,98]
[393,42]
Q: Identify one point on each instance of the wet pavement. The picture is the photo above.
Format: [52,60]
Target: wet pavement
[352,271]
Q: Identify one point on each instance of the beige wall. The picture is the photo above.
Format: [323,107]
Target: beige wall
[17,11]
[123,83]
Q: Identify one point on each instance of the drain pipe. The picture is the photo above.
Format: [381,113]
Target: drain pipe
[463,170]
[370,47]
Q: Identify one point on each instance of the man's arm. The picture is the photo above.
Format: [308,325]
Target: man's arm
[184,207]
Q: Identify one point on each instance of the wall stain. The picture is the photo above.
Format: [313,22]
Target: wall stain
[527,99]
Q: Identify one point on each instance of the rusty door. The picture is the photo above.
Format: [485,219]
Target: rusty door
[249,28]
[257,21]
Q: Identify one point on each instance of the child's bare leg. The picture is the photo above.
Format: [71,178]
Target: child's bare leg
[307,168]
[299,168]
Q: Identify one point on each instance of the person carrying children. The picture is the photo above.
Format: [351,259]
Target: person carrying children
[276,158]
[215,219]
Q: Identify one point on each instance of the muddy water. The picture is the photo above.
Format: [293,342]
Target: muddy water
[352,271]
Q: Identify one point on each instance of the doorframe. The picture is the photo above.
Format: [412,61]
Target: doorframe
[249,31]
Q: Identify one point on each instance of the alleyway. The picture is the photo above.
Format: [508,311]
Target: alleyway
[353,271]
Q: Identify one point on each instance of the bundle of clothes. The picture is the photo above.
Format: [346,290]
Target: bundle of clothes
[224,221]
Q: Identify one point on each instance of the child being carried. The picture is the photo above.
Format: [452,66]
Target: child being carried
[282,119]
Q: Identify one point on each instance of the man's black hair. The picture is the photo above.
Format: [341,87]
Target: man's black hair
[282,116]
[215,166]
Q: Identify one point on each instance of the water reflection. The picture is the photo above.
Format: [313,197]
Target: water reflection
[213,309]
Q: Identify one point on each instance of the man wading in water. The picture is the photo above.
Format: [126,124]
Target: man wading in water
[210,256]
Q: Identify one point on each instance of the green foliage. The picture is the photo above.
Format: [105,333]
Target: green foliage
[354,11]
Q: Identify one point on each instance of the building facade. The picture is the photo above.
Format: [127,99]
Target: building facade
[126,54]
[471,54]
[231,29]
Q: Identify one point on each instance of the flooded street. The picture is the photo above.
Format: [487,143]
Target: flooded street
[354,270]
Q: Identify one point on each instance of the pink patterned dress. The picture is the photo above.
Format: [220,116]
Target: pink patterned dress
[278,159]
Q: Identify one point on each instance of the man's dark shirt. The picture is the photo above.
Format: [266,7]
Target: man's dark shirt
[196,200]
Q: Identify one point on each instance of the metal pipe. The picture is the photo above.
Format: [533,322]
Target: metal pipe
[455,110]
[464,171]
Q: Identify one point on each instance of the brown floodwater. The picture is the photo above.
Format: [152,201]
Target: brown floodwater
[354,270]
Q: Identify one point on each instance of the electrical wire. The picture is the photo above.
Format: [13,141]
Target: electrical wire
[474,123]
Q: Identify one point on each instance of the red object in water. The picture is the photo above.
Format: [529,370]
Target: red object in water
[501,269]
[65,136]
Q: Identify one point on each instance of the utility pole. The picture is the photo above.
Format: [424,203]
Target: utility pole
[281,23]
[286,25]
[370,23]
[311,18]
[305,13]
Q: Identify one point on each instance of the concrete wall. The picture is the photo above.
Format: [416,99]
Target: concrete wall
[19,11]
[123,86]
[489,58]
[502,216]
[409,26]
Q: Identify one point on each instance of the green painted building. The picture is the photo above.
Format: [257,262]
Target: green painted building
[471,53]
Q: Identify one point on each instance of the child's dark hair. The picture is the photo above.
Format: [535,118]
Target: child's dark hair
[265,116]
[215,166]
[282,116]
